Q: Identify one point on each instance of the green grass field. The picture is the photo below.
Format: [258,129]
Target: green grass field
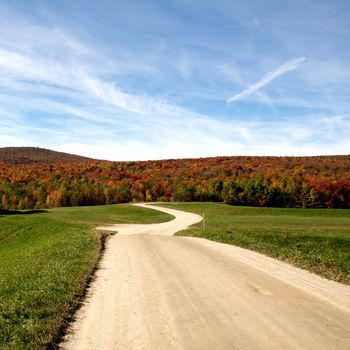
[314,239]
[47,256]
[45,260]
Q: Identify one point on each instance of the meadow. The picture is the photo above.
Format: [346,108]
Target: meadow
[46,258]
[314,239]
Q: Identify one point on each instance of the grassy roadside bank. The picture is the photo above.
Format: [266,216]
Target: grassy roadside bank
[314,239]
[45,260]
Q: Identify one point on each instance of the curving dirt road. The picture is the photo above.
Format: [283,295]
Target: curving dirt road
[155,291]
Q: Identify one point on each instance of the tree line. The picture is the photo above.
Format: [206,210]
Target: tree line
[308,182]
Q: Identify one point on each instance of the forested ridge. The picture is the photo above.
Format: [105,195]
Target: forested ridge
[36,178]
[36,155]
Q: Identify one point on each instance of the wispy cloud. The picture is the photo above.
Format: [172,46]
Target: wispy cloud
[145,126]
[136,88]
[267,78]
[51,88]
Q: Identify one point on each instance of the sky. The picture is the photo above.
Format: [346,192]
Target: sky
[138,80]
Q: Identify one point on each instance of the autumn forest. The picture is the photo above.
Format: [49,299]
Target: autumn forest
[38,178]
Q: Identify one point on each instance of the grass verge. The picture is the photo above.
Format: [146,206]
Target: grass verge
[314,239]
[46,257]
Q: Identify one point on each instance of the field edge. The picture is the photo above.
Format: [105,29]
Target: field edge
[76,303]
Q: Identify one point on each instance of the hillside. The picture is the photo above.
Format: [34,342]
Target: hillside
[35,155]
[52,179]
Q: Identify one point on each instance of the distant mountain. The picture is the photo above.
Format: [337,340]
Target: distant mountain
[36,155]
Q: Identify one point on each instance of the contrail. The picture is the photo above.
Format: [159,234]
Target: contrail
[268,77]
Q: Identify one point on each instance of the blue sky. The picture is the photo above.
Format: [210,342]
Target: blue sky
[129,80]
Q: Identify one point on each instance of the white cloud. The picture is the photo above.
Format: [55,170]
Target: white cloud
[109,108]
[267,78]
[69,100]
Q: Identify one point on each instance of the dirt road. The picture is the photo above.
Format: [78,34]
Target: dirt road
[155,291]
